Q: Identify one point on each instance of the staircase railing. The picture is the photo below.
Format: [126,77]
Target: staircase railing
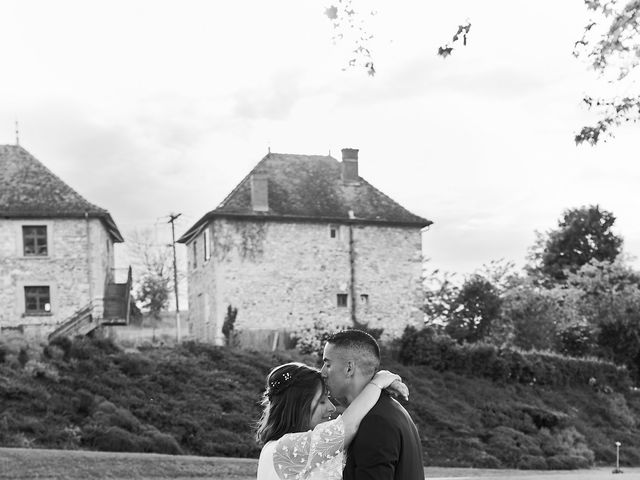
[73,321]
[128,298]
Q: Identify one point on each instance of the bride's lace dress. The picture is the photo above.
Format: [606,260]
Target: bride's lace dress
[314,455]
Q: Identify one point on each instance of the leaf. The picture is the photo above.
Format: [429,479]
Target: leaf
[331,12]
[444,52]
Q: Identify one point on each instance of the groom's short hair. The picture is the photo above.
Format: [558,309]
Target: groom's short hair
[362,345]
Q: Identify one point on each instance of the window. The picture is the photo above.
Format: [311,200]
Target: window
[334,231]
[34,239]
[364,298]
[207,245]
[342,299]
[37,300]
[195,253]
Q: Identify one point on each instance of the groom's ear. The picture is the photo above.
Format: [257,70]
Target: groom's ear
[350,368]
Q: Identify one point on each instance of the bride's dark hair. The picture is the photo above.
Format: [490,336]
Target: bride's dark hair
[287,400]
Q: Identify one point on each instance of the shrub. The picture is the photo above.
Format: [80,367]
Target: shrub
[440,352]
[567,462]
[112,439]
[532,462]
[228,326]
[486,461]
[23,356]
[63,343]
[162,443]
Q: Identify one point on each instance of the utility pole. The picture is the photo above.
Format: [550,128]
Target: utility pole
[172,218]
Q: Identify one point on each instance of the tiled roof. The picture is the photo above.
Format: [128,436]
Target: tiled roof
[310,187]
[28,189]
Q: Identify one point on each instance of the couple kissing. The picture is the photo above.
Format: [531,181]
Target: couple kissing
[374,438]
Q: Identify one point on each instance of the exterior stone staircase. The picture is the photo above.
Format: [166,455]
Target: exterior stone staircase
[115,311]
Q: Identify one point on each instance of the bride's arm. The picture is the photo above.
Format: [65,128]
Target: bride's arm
[364,402]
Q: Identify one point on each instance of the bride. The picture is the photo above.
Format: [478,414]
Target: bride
[300,440]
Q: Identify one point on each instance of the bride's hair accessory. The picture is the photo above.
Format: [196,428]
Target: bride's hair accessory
[284,376]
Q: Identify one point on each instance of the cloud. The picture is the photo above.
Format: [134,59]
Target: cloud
[272,101]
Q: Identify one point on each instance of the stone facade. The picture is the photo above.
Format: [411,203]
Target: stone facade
[78,266]
[288,274]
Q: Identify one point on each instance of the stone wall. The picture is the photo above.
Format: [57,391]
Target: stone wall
[74,270]
[286,275]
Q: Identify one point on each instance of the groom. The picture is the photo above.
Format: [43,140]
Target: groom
[387,445]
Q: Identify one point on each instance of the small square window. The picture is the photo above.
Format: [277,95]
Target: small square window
[34,239]
[334,231]
[364,298]
[37,299]
[342,299]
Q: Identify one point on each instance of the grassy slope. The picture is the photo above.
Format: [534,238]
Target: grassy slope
[201,400]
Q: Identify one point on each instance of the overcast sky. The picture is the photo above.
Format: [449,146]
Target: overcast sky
[152,107]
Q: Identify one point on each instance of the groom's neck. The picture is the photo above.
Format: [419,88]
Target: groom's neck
[356,387]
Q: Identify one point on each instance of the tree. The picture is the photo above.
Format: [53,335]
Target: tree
[532,315]
[475,308]
[153,293]
[610,41]
[612,45]
[152,264]
[583,234]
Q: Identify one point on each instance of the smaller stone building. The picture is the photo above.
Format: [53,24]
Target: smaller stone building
[304,240]
[56,252]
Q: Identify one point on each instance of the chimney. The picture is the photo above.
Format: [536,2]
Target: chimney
[350,165]
[260,191]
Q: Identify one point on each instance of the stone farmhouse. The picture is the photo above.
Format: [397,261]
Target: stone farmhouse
[304,240]
[56,254]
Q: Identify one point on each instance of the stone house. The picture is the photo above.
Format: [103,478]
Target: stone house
[304,239]
[56,254]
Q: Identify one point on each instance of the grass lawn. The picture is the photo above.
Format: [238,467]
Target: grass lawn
[19,463]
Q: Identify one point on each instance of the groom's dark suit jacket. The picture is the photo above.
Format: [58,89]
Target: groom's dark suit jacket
[387,445]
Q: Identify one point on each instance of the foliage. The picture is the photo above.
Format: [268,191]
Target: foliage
[463,30]
[310,340]
[530,317]
[610,43]
[153,293]
[474,309]
[153,278]
[505,365]
[350,26]
[577,340]
[583,234]
[200,399]
[229,324]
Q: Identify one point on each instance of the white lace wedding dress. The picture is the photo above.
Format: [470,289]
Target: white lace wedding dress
[314,455]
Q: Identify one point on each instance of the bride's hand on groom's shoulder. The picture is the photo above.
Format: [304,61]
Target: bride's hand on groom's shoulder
[392,383]
[399,389]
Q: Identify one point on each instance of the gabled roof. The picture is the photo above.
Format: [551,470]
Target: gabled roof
[310,188]
[28,189]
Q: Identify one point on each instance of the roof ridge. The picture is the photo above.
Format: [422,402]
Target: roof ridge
[388,197]
[50,172]
[237,187]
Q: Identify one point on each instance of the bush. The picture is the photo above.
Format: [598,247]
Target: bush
[486,461]
[440,352]
[567,462]
[112,439]
[63,343]
[162,443]
[532,462]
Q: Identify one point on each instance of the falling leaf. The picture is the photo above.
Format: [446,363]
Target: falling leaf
[444,52]
[331,12]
